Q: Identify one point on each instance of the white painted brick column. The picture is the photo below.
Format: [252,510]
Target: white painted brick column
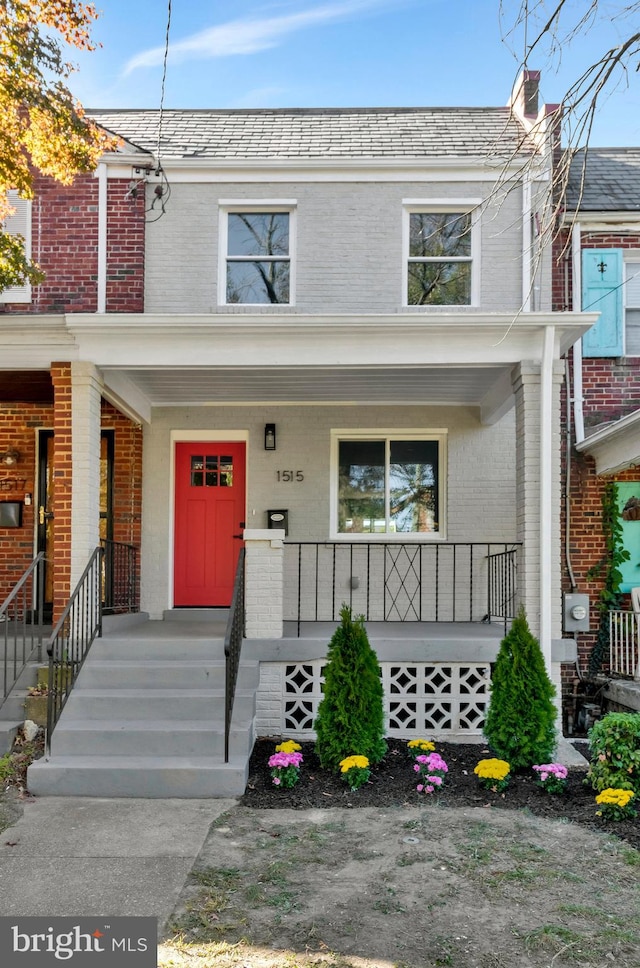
[86,390]
[264,586]
[527,388]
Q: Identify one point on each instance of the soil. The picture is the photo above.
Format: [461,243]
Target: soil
[392,785]
[385,877]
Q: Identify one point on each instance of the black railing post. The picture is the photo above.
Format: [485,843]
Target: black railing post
[232,648]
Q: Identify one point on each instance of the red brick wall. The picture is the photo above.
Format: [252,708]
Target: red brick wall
[65,245]
[611,389]
[62,482]
[127,479]
[19,424]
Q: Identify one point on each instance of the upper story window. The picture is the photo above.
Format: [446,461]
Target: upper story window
[256,240]
[19,223]
[388,483]
[611,287]
[441,255]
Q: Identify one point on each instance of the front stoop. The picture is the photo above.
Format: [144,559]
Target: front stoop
[146,719]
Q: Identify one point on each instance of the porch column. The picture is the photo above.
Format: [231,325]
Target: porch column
[537,397]
[86,387]
[264,567]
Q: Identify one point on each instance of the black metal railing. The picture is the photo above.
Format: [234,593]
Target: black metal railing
[21,624]
[398,582]
[232,647]
[70,641]
[120,585]
[502,585]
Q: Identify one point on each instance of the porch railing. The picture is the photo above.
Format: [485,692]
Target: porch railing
[232,646]
[70,641]
[624,643]
[394,582]
[121,578]
[21,624]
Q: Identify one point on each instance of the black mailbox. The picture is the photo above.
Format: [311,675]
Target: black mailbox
[278,519]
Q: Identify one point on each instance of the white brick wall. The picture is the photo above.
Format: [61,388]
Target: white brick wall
[349,245]
[86,387]
[263,583]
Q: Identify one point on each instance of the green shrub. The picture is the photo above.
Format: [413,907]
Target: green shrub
[350,716]
[614,743]
[520,723]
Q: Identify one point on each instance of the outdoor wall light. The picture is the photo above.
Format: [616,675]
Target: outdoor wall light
[269,436]
[10,457]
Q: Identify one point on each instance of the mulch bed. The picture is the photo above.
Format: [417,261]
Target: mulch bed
[392,784]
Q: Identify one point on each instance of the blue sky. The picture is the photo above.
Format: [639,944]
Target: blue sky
[314,53]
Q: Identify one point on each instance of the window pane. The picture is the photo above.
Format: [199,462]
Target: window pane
[435,234]
[413,485]
[439,284]
[361,486]
[258,234]
[257,282]
[632,346]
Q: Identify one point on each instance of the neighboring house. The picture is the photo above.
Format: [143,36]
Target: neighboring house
[598,269]
[343,326]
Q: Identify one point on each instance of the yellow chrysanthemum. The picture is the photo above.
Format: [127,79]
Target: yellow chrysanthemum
[351,761]
[289,746]
[492,769]
[421,744]
[616,798]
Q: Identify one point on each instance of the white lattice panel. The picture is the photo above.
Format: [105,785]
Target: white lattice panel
[421,699]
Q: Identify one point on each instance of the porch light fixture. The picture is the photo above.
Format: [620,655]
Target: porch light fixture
[269,436]
[10,457]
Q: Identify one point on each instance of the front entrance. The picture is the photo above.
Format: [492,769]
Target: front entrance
[209,518]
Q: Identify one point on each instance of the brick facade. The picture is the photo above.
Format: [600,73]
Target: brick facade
[611,390]
[65,246]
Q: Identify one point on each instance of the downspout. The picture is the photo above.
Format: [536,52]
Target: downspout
[102,238]
[526,244]
[578,413]
[546,506]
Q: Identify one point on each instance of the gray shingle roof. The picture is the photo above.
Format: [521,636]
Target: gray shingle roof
[320,133]
[611,180]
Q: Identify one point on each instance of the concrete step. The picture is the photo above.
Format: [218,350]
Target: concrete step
[154,674]
[101,704]
[13,706]
[138,776]
[8,732]
[150,737]
[196,615]
[152,647]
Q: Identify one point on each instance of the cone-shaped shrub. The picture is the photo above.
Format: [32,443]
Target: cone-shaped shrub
[350,718]
[520,723]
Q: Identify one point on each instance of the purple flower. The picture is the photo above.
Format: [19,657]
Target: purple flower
[416,768]
[419,788]
[276,780]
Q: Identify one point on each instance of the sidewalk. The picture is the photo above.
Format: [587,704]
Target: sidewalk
[77,856]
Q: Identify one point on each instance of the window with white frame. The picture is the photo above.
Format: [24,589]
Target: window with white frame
[632,305]
[389,483]
[441,255]
[18,224]
[256,241]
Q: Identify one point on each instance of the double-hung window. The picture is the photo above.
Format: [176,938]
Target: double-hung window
[18,224]
[441,261]
[632,304]
[388,483]
[257,244]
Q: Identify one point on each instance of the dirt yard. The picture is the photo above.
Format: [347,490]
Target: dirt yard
[407,887]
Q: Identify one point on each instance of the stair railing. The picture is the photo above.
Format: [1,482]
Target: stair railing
[70,641]
[232,646]
[21,620]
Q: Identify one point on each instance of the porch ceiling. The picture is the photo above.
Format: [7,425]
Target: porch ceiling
[270,384]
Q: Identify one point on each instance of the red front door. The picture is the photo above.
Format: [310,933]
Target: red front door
[209,518]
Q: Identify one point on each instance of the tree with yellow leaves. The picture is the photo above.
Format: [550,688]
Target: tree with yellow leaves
[42,126]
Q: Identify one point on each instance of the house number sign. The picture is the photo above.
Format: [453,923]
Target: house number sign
[287,477]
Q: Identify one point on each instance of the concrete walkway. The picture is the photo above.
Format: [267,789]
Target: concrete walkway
[77,856]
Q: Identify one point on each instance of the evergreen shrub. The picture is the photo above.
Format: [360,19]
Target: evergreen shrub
[520,723]
[350,719]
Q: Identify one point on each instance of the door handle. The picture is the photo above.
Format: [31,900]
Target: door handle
[44,515]
[238,536]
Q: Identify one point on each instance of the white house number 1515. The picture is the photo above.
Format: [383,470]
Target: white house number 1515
[286,477]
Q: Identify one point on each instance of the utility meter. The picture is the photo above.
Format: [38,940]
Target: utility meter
[576,613]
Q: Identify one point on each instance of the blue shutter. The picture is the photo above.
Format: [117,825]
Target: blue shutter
[602,293]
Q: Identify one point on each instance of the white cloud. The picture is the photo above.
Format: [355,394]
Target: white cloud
[249,36]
